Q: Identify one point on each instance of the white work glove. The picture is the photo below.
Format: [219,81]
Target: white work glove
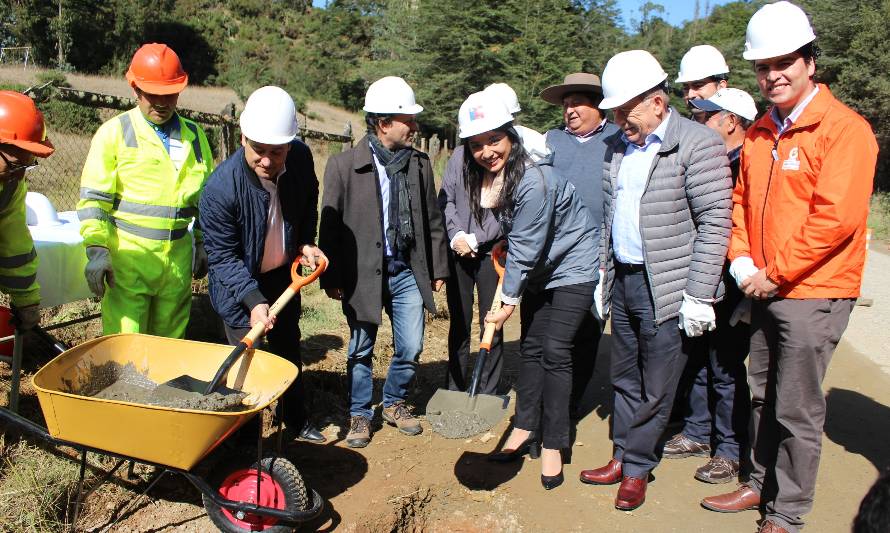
[696,316]
[741,313]
[199,261]
[25,318]
[98,270]
[741,269]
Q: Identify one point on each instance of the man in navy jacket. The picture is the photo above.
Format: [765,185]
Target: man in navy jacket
[258,212]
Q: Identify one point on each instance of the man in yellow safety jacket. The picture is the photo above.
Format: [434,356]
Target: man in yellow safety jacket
[22,139]
[138,194]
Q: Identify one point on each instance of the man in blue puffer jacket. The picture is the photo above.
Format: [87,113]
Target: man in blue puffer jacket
[259,210]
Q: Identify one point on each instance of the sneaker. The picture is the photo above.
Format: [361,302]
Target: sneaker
[359,432]
[718,470]
[400,416]
[682,446]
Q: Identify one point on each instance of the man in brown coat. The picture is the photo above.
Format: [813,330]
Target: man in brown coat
[383,231]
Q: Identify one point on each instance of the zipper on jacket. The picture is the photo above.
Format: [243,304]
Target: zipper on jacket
[769,180]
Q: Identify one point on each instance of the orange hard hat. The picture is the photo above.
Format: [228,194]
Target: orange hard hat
[21,124]
[156,69]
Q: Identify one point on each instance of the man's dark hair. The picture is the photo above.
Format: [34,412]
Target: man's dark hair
[810,51]
[874,511]
[372,119]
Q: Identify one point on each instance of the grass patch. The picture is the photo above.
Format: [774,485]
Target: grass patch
[319,314]
[35,488]
[879,216]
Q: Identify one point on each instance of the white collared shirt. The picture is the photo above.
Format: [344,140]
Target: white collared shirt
[274,254]
[627,242]
[384,180]
[782,125]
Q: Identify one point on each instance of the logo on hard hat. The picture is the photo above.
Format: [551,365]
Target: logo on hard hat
[477,112]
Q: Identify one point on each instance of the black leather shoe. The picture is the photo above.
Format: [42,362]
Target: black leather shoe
[530,446]
[310,433]
[551,482]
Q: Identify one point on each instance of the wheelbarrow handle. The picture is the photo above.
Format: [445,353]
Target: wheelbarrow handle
[258,329]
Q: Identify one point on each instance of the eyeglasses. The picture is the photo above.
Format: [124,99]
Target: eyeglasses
[15,167]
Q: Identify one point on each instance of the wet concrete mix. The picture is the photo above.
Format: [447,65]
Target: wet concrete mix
[457,424]
[114,381]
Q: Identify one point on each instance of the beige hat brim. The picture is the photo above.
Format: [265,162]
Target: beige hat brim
[555,93]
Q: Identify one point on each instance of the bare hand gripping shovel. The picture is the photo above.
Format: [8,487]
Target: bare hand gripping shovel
[257,331]
[456,414]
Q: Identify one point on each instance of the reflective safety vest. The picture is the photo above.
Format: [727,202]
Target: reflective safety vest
[130,183]
[18,259]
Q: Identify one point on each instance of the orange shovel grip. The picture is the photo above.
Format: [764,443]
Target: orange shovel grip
[497,253]
[298,281]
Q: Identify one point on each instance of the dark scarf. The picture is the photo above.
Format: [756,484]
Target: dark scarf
[400,231]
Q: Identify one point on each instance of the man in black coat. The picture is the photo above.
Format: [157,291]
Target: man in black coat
[259,212]
[381,226]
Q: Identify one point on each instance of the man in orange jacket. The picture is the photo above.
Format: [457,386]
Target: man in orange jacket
[797,248]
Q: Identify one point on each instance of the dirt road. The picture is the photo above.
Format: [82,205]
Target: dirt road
[428,483]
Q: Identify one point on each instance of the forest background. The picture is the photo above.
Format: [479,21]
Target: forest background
[446,49]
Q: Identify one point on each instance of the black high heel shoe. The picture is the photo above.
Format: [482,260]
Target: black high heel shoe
[551,482]
[529,446]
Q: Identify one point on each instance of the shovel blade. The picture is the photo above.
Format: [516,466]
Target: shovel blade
[448,407]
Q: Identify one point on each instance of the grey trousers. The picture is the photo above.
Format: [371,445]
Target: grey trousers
[647,360]
[792,341]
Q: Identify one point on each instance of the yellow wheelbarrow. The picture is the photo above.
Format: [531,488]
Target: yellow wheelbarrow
[269,495]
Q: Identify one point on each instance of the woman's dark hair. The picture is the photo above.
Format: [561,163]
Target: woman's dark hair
[513,171]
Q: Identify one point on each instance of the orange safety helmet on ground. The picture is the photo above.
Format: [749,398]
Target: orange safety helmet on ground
[156,69]
[21,124]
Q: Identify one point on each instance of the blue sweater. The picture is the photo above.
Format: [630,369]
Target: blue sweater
[233,210]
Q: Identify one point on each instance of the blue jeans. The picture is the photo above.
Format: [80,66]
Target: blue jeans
[404,305]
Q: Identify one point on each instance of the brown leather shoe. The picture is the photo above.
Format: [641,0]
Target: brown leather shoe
[605,475]
[768,526]
[742,499]
[631,493]
[718,470]
[682,446]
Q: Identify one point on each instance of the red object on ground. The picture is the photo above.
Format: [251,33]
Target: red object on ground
[6,330]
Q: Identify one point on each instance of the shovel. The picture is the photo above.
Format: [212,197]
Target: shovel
[257,331]
[456,414]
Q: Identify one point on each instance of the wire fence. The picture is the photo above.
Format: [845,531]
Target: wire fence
[73,115]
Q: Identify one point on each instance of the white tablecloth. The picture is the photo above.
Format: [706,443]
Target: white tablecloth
[62,260]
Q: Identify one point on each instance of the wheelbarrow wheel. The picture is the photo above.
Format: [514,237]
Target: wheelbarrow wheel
[281,487]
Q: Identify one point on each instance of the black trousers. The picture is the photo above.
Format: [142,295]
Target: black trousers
[282,340]
[584,353]
[550,322]
[647,360]
[468,274]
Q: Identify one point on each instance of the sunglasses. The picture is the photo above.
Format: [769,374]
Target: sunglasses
[12,168]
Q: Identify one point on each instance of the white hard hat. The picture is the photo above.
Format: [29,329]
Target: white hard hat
[701,62]
[629,74]
[775,30]
[728,99]
[391,96]
[39,211]
[269,116]
[481,112]
[507,95]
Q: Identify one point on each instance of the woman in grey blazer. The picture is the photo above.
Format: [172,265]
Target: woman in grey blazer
[552,265]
